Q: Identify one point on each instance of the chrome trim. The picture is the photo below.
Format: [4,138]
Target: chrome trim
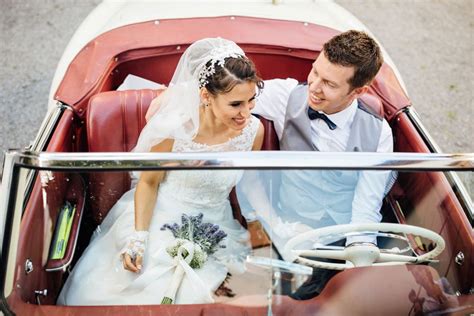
[41,140]
[247,160]
[39,293]
[10,159]
[47,126]
[459,259]
[464,195]
[10,219]
[28,266]
[415,118]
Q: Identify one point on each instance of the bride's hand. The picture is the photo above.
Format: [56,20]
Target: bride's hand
[132,253]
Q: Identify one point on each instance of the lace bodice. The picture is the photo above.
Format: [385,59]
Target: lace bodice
[242,142]
[207,189]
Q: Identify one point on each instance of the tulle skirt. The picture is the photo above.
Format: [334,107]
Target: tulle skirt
[99,278]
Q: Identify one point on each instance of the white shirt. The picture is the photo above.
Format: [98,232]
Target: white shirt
[369,193]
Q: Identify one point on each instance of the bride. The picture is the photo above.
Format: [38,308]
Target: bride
[206,108]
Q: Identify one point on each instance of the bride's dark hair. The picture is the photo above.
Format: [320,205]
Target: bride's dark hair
[235,71]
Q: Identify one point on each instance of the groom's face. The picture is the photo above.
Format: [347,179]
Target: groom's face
[329,88]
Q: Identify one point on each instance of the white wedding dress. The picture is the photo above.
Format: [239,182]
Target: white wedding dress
[98,278]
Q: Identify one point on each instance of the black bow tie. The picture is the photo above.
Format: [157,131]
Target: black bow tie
[312,114]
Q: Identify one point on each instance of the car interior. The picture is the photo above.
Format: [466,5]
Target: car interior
[106,120]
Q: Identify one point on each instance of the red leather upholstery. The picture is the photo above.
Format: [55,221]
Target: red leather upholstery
[374,103]
[270,138]
[115,119]
[114,122]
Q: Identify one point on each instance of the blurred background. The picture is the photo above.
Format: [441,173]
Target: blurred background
[430,41]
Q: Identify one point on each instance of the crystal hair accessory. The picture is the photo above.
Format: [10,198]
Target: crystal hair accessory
[217,56]
[178,114]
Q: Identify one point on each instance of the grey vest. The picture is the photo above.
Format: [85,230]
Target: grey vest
[321,197]
[365,129]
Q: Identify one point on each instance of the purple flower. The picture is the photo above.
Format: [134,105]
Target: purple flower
[207,235]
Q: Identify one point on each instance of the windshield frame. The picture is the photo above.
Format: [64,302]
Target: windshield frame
[244,160]
[263,160]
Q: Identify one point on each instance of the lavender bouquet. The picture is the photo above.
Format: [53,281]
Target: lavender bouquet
[195,241]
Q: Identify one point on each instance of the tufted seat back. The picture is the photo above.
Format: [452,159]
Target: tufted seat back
[116,118]
[114,122]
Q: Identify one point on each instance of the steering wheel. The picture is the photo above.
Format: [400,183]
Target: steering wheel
[360,255]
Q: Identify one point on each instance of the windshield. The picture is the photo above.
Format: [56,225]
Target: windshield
[299,239]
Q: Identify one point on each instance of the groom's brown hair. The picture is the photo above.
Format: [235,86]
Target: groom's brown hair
[355,49]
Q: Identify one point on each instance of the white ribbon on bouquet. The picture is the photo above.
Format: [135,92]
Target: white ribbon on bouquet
[182,263]
[165,263]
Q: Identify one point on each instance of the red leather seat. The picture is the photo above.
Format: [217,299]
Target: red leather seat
[374,103]
[114,122]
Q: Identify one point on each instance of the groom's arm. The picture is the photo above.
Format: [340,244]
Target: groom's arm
[273,100]
[370,189]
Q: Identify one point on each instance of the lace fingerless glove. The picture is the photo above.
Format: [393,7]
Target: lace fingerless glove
[136,244]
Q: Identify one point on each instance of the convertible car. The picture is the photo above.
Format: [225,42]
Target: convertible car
[56,192]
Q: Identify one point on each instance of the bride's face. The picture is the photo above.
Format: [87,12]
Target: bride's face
[233,108]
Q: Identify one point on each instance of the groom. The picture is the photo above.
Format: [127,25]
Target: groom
[326,114]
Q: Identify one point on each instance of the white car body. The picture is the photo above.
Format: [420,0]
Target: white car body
[111,14]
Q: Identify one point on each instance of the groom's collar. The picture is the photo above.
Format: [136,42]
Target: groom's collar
[344,117]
